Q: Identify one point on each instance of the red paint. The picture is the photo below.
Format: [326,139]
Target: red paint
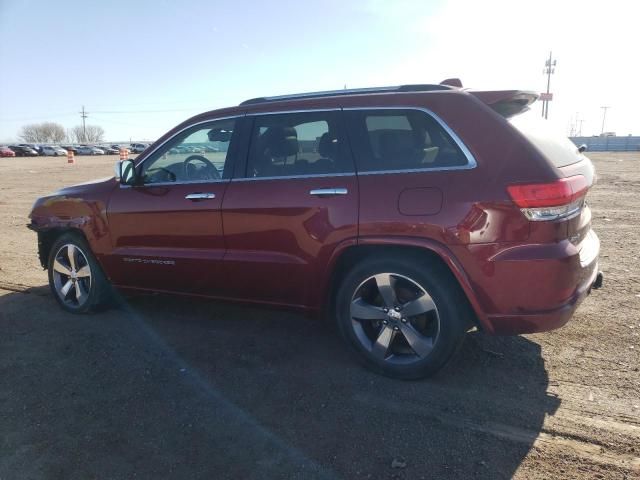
[270,242]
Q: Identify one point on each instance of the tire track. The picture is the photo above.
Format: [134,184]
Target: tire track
[559,442]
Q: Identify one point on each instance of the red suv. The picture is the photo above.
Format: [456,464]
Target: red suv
[407,214]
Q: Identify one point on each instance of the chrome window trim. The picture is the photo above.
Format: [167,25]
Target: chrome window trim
[318,175]
[471,160]
[416,170]
[167,184]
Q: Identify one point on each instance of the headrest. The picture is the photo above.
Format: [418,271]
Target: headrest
[422,138]
[279,141]
[327,146]
[393,142]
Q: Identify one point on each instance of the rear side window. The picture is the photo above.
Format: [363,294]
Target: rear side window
[557,148]
[389,140]
[295,144]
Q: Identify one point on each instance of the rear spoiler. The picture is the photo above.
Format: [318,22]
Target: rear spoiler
[507,102]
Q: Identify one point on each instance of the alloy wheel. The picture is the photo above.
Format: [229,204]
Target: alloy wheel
[71,274]
[394,318]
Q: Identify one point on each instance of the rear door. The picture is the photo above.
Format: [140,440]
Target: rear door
[293,202]
[410,171]
[167,232]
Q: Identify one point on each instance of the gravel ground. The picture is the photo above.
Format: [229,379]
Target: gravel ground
[170,387]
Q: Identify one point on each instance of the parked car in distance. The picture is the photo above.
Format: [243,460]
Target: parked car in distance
[138,147]
[52,150]
[72,148]
[22,151]
[109,150]
[32,146]
[88,150]
[7,152]
[121,147]
[407,215]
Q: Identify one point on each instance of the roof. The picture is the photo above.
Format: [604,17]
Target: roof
[352,91]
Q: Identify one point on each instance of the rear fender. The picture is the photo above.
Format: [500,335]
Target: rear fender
[414,243]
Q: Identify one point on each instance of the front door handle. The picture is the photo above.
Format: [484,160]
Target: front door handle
[194,197]
[328,192]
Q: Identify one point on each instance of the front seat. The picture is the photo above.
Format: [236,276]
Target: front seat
[276,143]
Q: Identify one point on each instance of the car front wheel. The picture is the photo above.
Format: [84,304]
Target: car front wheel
[75,277]
[403,318]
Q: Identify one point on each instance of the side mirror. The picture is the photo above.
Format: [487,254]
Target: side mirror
[126,172]
[582,148]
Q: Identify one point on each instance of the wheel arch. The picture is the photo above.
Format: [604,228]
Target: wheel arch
[47,237]
[423,250]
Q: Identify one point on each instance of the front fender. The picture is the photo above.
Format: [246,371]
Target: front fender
[85,211]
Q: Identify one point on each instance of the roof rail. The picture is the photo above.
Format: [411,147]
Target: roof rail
[351,91]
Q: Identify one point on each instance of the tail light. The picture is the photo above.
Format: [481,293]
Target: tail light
[550,201]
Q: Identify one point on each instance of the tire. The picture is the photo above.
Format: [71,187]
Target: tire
[414,340]
[81,286]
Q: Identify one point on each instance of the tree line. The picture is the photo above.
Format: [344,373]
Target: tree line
[51,132]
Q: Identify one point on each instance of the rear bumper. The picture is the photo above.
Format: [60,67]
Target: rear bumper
[542,321]
[535,288]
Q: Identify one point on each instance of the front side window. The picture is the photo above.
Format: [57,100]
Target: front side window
[199,154]
[385,140]
[295,144]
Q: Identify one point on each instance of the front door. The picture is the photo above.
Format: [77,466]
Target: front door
[167,230]
[294,201]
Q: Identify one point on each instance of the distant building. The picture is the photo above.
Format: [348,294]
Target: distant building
[608,142]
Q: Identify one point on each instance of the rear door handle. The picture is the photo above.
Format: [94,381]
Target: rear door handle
[200,196]
[328,192]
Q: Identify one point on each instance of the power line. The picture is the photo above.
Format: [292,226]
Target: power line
[41,117]
[148,111]
[201,108]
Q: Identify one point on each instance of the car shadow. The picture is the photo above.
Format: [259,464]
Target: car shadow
[180,388]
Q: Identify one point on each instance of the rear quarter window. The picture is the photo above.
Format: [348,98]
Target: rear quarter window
[403,139]
[557,148]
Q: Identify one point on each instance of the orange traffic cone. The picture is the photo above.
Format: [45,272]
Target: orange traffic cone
[70,158]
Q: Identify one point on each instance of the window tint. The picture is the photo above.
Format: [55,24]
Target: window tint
[385,140]
[199,154]
[297,144]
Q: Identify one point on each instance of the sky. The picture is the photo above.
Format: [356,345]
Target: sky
[141,67]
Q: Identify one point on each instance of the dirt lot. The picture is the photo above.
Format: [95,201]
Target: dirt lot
[176,388]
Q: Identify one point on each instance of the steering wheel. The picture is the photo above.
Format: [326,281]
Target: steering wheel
[211,170]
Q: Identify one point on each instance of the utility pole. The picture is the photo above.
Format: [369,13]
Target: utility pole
[580,127]
[576,126]
[549,68]
[604,115]
[83,114]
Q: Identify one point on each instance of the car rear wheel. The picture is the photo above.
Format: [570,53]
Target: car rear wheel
[404,319]
[75,277]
